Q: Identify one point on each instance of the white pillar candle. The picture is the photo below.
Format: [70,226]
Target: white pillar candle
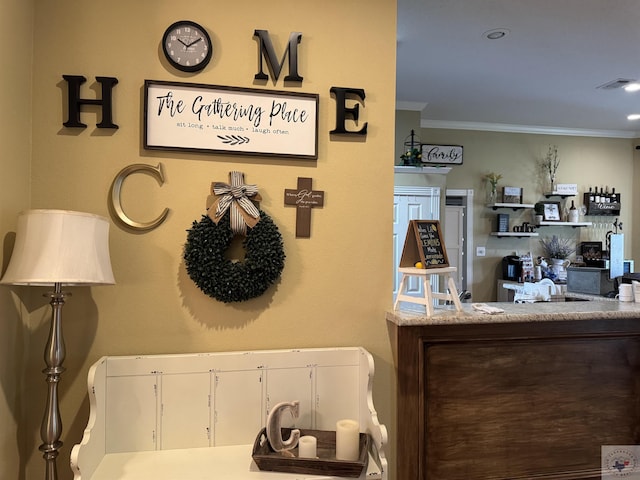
[307,447]
[347,440]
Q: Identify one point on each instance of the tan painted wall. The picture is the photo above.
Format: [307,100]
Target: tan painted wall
[336,286]
[587,161]
[16,30]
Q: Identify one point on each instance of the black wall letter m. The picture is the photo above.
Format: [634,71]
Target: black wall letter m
[267,51]
[75,102]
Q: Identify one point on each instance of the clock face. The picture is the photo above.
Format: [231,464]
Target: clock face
[187,46]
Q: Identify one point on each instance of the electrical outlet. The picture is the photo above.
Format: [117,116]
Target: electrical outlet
[480,252]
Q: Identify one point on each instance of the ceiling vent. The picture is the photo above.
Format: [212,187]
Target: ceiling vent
[618,83]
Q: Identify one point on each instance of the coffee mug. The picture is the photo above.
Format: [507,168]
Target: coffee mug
[625,290]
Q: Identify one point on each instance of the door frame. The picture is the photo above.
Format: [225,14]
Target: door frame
[468,197]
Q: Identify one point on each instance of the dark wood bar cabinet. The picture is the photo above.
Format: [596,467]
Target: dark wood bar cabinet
[485,399]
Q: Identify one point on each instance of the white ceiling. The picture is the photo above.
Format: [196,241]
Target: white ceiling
[544,73]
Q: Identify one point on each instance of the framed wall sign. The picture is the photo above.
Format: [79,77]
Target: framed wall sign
[551,212]
[512,194]
[567,188]
[442,154]
[210,118]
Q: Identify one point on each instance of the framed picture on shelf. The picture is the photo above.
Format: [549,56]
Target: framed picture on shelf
[512,195]
[551,212]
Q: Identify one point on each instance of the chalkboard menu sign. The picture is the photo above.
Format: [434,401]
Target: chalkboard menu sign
[424,244]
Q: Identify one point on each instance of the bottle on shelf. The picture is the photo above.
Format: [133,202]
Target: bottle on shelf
[592,197]
[574,216]
[614,197]
[607,197]
[596,196]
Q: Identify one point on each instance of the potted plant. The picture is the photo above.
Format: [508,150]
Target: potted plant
[538,210]
[557,250]
[412,157]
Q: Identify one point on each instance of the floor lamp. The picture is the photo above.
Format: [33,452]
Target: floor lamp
[56,248]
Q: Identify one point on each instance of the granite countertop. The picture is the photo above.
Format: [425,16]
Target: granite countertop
[586,296]
[519,312]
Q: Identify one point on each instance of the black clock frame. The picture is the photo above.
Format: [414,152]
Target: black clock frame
[188,68]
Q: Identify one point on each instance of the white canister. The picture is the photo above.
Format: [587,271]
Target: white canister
[537,273]
[635,285]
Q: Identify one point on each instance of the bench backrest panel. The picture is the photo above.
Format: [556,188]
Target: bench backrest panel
[160,402]
[186,401]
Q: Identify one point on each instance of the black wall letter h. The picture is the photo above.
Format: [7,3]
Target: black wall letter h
[74,82]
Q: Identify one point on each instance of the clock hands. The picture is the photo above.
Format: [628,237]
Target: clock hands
[194,42]
[187,45]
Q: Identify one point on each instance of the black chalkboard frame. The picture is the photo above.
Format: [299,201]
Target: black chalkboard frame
[413,251]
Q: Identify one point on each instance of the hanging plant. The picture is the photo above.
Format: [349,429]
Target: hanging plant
[230,280]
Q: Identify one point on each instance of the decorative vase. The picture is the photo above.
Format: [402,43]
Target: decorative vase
[492,195]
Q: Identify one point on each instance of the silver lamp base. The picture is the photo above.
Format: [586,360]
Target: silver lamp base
[54,355]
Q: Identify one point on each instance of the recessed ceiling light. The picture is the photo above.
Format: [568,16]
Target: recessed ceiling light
[617,83]
[496,33]
[632,87]
[634,116]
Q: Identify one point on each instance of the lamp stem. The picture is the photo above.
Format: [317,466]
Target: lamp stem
[54,354]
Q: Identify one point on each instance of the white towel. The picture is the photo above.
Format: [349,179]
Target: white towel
[484,308]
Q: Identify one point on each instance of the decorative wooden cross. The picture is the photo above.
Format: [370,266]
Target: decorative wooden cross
[304,198]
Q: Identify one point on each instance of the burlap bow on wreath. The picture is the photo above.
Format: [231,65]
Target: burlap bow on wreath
[237,198]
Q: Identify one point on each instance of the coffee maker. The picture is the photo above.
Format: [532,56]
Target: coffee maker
[512,268]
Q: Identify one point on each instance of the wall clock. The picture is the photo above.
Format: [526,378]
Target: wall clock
[187,46]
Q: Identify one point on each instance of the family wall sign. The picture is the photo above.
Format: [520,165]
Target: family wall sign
[219,119]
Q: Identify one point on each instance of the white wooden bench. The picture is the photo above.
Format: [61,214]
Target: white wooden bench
[196,416]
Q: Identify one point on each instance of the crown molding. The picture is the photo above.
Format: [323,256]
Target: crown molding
[530,129]
[411,106]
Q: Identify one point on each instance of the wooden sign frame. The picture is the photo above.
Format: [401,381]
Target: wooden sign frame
[424,243]
[222,119]
[512,194]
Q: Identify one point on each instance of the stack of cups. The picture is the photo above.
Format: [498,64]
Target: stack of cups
[636,290]
[625,292]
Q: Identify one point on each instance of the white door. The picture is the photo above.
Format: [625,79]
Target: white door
[411,203]
[454,242]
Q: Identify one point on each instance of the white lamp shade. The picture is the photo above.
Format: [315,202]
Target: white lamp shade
[60,246]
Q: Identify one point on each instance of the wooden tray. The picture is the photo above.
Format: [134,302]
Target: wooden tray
[325,464]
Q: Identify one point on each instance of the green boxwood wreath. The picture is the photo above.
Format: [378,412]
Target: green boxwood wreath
[233,281]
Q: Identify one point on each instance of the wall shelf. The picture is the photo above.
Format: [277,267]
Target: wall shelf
[556,194]
[514,234]
[429,170]
[514,206]
[564,224]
